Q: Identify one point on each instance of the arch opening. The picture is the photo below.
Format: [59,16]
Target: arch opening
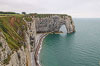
[63,29]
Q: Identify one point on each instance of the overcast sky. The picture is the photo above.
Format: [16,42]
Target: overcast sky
[75,8]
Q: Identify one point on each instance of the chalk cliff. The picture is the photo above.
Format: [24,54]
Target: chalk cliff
[54,23]
[18,37]
[21,57]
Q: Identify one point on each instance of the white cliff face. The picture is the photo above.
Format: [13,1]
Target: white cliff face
[23,56]
[8,57]
[31,34]
[5,51]
[69,25]
[31,39]
[18,58]
[54,23]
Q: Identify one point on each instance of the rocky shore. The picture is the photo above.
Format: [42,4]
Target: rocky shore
[39,47]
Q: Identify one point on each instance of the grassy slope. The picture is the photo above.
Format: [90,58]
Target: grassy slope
[9,25]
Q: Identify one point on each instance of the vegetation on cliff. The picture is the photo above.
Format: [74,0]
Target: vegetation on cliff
[13,28]
[1,12]
[28,19]
[46,15]
[0,44]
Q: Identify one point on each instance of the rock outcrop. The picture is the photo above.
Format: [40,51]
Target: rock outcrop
[5,51]
[21,57]
[54,23]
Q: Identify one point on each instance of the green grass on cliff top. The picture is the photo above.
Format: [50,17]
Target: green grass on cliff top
[10,25]
[47,15]
[6,15]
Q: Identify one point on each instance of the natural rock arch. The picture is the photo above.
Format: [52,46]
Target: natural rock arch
[54,23]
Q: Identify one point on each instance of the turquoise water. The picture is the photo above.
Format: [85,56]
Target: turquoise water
[81,48]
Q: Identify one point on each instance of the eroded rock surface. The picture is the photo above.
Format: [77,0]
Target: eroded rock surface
[54,23]
[22,57]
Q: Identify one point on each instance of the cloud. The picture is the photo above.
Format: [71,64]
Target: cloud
[76,8]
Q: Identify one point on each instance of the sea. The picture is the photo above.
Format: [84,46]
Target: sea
[81,48]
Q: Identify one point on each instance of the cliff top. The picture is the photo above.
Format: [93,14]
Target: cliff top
[46,15]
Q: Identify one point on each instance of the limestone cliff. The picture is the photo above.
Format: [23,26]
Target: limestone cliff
[21,57]
[14,42]
[53,23]
[18,41]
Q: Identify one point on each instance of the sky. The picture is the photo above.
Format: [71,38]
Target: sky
[75,8]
